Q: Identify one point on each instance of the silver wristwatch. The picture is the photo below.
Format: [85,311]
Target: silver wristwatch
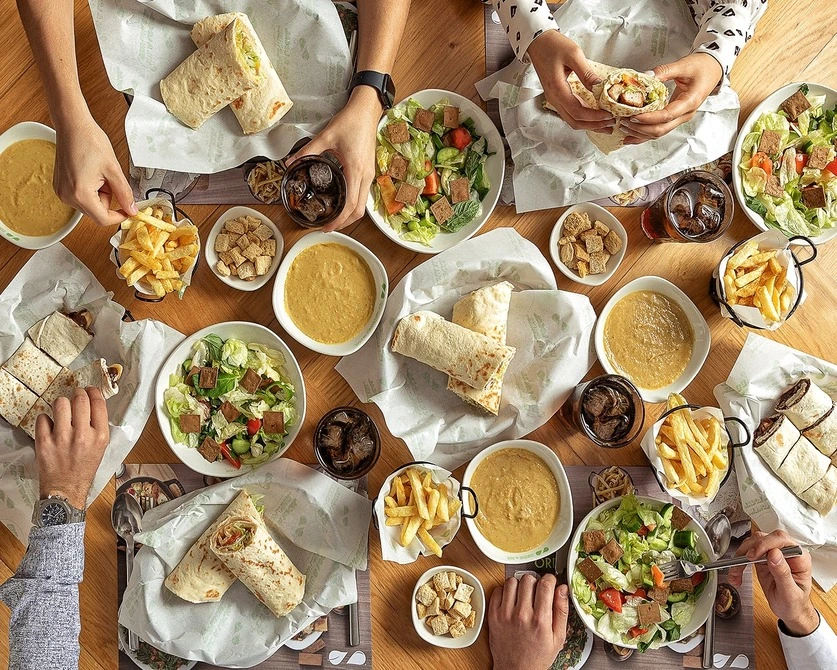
[55,511]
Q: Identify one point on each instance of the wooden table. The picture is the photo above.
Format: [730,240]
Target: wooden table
[793,43]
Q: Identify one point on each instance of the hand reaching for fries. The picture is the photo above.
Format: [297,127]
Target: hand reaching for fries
[756,278]
[693,457]
[418,504]
[159,252]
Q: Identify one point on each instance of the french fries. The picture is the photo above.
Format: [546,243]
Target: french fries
[693,459]
[417,504]
[157,252]
[756,278]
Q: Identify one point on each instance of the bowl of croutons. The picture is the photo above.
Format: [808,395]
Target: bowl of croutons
[244,248]
[588,244]
[448,607]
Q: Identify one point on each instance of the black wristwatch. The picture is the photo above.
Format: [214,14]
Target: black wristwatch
[56,511]
[380,81]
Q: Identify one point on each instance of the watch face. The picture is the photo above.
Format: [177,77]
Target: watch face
[54,514]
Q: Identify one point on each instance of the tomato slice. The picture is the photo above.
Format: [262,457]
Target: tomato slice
[642,532]
[612,598]
[253,426]
[431,181]
[659,578]
[641,593]
[832,167]
[698,578]
[636,631]
[762,160]
[459,138]
[388,194]
[801,161]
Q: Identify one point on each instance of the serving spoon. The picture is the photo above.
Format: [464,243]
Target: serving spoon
[126,518]
[719,531]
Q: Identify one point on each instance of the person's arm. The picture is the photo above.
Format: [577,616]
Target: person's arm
[86,169]
[43,594]
[351,134]
[725,28]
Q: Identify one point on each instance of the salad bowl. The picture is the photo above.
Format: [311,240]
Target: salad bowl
[249,333]
[692,614]
[494,170]
[771,105]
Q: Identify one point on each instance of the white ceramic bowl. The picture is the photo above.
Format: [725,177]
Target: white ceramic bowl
[563,525]
[31,130]
[700,348]
[477,602]
[705,602]
[595,213]
[495,166]
[212,255]
[246,332]
[771,104]
[379,274]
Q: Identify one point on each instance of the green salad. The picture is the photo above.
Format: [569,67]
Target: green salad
[788,167]
[617,579]
[430,171]
[231,401]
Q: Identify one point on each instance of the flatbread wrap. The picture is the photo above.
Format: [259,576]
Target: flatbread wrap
[220,71]
[803,467]
[485,311]
[245,547]
[470,357]
[823,434]
[263,106]
[774,438]
[804,403]
[201,577]
[822,495]
[63,337]
[15,399]
[33,367]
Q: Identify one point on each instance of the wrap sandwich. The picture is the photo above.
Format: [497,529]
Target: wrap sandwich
[804,466]
[823,434]
[470,357]
[822,495]
[774,438]
[33,367]
[485,311]
[63,336]
[804,403]
[622,92]
[263,106]
[245,547]
[15,399]
[219,72]
[201,577]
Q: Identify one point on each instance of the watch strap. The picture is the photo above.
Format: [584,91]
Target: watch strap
[380,81]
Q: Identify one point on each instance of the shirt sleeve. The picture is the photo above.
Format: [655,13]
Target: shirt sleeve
[724,28]
[524,20]
[817,650]
[43,598]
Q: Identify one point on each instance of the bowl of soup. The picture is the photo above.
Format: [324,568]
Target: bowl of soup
[520,496]
[31,215]
[330,292]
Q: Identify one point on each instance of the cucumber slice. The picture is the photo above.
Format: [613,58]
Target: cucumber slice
[446,155]
[677,597]
[685,538]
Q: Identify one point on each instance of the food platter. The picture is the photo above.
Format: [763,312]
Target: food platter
[495,167]
[246,332]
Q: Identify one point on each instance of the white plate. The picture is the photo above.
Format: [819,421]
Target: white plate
[212,255]
[379,274]
[705,602]
[30,130]
[700,347]
[563,525]
[248,333]
[595,213]
[477,602]
[123,646]
[495,166]
[771,104]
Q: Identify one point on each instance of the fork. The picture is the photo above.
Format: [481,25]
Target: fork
[681,569]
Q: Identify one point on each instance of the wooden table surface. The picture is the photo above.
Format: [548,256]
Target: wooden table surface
[792,43]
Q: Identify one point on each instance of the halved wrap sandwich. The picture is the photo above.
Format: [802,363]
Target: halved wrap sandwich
[63,336]
[33,367]
[15,399]
[262,106]
[201,577]
[219,72]
[251,554]
[804,403]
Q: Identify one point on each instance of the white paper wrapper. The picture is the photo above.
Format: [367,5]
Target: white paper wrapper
[391,548]
[55,279]
[547,152]
[321,525]
[764,370]
[143,41]
[649,446]
[119,257]
[551,330]
[771,239]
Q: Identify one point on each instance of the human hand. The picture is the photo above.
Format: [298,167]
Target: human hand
[69,448]
[554,57]
[786,582]
[351,134]
[527,623]
[87,172]
[696,77]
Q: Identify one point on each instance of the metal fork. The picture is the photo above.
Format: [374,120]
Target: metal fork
[681,569]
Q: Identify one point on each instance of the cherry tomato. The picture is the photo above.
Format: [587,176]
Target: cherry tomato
[253,426]
[612,598]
